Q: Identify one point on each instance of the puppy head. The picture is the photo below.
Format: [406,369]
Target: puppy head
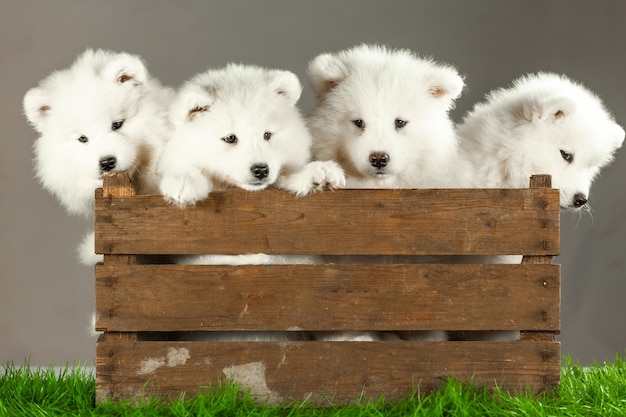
[240,126]
[381,111]
[88,119]
[557,127]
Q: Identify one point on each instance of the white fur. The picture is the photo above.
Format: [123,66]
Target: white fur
[348,336]
[520,131]
[246,259]
[379,86]
[99,88]
[85,250]
[244,103]
[251,336]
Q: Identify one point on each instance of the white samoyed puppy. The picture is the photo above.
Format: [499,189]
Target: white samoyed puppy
[239,126]
[543,124]
[104,113]
[383,114]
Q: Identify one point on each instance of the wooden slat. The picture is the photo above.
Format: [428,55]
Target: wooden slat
[538,181]
[338,371]
[117,185]
[358,222]
[328,297]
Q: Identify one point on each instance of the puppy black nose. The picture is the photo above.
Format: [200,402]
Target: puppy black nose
[580,200]
[379,159]
[260,171]
[108,163]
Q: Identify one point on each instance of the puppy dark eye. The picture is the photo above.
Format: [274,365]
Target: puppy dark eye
[567,156]
[117,124]
[400,123]
[359,123]
[230,139]
[267,135]
[83,139]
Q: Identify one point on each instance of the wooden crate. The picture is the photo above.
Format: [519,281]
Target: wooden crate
[140,305]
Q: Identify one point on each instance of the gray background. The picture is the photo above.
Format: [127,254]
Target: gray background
[46,297]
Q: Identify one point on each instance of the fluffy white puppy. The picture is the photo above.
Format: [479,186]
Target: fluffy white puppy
[104,113]
[543,124]
[383,114]
[239,127]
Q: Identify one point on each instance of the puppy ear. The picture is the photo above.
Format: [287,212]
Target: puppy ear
[547,110]
[125,69]
[325,72]
[617,135]
[446,85]
[36,107]
[286,83]
[191,102]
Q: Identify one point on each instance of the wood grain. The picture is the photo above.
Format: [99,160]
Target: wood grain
[324,373]
[328,297]
[343,222]
[133,301]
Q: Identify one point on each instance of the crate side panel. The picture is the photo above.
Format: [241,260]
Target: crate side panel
[350,222]
[328,297]
[277,372]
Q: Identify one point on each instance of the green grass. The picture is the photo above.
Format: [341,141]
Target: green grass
[596,391]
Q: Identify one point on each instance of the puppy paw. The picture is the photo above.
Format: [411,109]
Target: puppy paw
[314,176]
[184,190]
[326,174]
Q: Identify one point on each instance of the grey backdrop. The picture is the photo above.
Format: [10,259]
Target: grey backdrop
[46,297]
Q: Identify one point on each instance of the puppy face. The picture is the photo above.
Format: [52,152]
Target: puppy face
[235,149]
[240,126]
[380,112]
[378,125]
[86,116]
[570,144]
[543,124]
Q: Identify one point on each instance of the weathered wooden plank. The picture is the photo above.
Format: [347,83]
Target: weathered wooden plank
[328,297]
[365,222]
[322,372]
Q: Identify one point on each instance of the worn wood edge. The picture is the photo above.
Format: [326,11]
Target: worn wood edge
[117,185]
[133,370]
[538,336]
[540,181]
